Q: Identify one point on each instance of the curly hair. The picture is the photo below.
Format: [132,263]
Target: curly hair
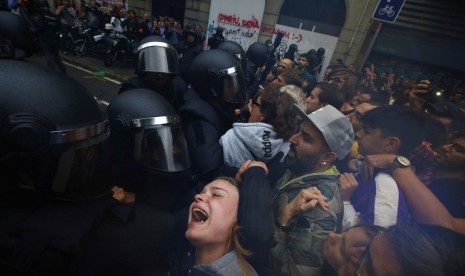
[277,108]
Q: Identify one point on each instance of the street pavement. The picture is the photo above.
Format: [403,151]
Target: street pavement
[101,82]
[120,71]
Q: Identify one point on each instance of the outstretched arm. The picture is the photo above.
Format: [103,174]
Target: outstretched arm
[424,205]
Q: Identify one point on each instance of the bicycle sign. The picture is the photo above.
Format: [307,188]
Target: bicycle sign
[388,10]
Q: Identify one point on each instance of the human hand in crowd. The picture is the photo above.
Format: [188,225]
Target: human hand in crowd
[380,161]
[307,199]
[248,164]
[419,88]
[122,196]
[348,184]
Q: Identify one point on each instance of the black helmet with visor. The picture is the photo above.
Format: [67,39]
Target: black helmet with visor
[216,75]
[151,130]
[155,54]
[52,135]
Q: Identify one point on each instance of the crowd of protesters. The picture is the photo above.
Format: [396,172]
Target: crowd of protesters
[364,171]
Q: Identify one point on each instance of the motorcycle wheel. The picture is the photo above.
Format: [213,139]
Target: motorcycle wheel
[110,58]
[80,48]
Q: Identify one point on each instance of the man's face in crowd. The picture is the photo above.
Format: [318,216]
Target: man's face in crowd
[280,80]
[355,116]
[370,141]
[307,146]
[339,79]
[303,62]
[360,98]
[451,156]
[313,101]
[285,63]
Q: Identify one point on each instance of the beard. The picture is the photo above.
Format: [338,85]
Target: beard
[299,165]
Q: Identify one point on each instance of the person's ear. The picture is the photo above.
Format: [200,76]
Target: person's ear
[391,144]
[262,117]
[327,158]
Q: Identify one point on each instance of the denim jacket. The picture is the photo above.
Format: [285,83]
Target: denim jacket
[302,252]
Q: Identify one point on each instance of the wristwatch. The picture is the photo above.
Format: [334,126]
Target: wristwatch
[399,162]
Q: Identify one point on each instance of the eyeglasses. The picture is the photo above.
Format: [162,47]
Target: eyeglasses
[373,230]
[361,264]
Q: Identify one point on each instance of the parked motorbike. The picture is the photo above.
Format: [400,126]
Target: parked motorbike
[72,37]
[92,40]
[121,47]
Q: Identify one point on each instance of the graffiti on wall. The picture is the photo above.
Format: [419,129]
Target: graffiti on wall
[240,20]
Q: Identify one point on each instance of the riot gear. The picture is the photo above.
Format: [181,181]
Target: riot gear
[15,36]
[258,53]
[156,54]
[157,143]
[48,145]
[236,50]
[216,39]
[216,75]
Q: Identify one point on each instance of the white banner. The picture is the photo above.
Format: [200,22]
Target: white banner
[240,19]
[305,41]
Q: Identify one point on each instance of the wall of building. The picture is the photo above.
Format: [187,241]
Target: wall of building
[351,38]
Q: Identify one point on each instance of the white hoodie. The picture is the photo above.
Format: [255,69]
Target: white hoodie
[251,141]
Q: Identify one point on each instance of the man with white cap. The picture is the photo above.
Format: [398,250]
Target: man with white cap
[324,136]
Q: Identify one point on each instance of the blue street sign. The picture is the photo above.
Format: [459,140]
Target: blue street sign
[388,10]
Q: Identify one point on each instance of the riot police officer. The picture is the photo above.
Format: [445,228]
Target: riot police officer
[16,37]
[55,185]
[148,145]
[189,48]
[218,89]
[236,50]
[243,113]
[157,69]
[216,39]
[257,56]
[151,164]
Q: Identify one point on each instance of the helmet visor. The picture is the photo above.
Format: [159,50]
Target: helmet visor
[158,57]
[161,148]
[234,86]
[75,171]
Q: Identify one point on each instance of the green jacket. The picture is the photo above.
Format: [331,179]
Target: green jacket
[302,252]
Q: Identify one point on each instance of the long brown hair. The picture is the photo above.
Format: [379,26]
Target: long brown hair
[233,237]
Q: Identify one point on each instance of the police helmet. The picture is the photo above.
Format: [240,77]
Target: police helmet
[16,39]
[51,134]
[234,49]
[190,29]
[258,53]
[215,74]
[149,131]
[156,54]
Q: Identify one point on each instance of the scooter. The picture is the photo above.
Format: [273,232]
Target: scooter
[120,48]
[93,40]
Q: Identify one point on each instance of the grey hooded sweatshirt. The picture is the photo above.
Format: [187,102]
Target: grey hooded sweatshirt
[228,265]
[251,141]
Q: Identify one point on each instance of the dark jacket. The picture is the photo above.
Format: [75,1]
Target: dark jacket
[203,126]
[302,252]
